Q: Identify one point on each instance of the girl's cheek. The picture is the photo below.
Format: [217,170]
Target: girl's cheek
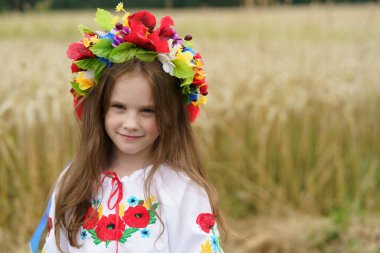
[151,126]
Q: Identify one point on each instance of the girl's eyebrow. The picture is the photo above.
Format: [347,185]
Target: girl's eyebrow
[141,106]
[116,102]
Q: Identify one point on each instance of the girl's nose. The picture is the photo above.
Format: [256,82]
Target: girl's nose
[131,121]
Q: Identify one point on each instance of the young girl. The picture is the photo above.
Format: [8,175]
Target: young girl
[137,183]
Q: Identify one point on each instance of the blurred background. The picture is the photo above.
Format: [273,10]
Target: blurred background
[290,132]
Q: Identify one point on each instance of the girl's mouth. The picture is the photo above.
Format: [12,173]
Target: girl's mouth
[130,137]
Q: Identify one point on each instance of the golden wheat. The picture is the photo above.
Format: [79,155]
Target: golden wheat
[291,121]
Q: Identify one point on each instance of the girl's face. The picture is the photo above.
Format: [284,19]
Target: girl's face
[130,121]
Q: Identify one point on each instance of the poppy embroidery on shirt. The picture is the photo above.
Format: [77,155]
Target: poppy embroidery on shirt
[207,224]
[138,215]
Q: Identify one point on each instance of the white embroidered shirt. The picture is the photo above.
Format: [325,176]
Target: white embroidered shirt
[121,219]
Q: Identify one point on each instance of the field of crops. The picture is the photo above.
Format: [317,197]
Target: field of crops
[290,132]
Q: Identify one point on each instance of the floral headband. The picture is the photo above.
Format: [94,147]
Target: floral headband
[135,35]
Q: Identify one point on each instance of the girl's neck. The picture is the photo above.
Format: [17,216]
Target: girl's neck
[125,165]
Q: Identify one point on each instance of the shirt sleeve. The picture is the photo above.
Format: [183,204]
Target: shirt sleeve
[50,245]
[193,229]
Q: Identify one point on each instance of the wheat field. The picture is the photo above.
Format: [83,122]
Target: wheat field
[290,132]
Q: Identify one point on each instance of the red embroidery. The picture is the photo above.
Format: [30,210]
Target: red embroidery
[91,218]
[50,225]
[110,228]
[206,221]
[136,217]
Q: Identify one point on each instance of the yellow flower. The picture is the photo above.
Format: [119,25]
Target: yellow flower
[202,100]
[119,7]
[86,42]
[121,209]
[85,79]
[199,63]
[185,56]
[124,19]
[148,203]
[100,211]
[115,20]
[206,247]
[200,74]
[94,39]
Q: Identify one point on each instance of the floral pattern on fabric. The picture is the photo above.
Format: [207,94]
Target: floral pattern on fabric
[119,227]
[50,226]
[206,222]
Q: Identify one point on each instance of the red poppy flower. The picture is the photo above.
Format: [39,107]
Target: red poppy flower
[165,27]
[193,112]
[75,68]
[138,36]
[203,89]
[159,45]
[109,228]
[198,56]
[142,35]
[144,17]
[206,221]
[77,51]
[199,77]
[91,218]
[78,103]
[161,36]
[136,217]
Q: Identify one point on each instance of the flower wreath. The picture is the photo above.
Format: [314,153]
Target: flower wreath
[135,35]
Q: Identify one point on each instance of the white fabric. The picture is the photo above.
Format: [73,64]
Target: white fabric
[180,201]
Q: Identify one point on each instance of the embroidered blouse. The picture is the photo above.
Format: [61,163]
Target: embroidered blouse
[120,219]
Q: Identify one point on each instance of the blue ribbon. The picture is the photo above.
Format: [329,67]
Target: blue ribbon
[36,238]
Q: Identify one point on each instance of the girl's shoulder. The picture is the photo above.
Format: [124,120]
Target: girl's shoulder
[60,177]
[167,174]
[176,184]
[173,177]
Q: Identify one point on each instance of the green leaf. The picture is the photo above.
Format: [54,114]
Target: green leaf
[127,233]
[88,63]
[146,56]
[123,52]
[98,70]
[107,243]
[102,48]
[92,63]
[188,44]
[152,219]
[154,206]
[185,87]
[94,236]
[93,233]
[85,30]
[77,89]
[104,19]
[182,69]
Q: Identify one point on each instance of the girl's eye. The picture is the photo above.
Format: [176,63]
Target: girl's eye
[148,110]
[118,106]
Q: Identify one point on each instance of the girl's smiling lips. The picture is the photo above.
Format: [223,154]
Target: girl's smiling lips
[130,137]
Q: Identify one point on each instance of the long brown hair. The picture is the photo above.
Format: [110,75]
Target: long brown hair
[175,146]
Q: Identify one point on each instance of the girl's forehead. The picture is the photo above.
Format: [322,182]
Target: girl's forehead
[132,87]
